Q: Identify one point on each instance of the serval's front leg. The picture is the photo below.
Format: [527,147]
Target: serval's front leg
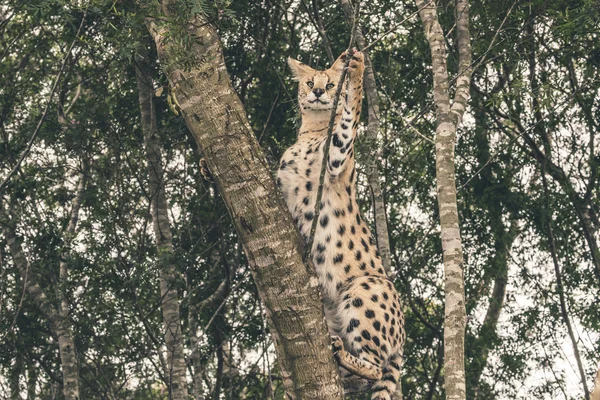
[342,141]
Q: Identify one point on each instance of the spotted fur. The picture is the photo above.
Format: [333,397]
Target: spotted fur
[361,304]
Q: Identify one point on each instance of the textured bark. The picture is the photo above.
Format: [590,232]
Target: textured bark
[60,325]
[370,88]
[169,277]
[448,118]
[288,288]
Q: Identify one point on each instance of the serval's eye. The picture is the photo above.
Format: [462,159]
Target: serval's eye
[310,84]
[330,86]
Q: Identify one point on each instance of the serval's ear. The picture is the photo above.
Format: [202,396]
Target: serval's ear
[338,65]
[299,69]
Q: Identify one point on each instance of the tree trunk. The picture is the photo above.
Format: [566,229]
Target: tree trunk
[370,86]
[60,327]
[169,277]
[287,286]
[448,119]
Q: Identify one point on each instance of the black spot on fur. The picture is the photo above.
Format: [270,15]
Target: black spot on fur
[320,259]
[348,189]
[309,186]
[353,230]
[283,165]
[365,286]
[377,325]
[365,245]
[324,221]
[376,341]
[366,335]
[370,314]
[342,229]
[309,215]
[357,302]
[329,277]
[358,255]
[351,245]
[305,201]
[353,324]
[362,266]
[347,268]
[338,259]
[374,298]
[336,140]
[339,243]
[320,247]
[335,163]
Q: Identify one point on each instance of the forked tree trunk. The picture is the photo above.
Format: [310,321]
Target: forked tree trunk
[287,286]
[169,277]
[448,119]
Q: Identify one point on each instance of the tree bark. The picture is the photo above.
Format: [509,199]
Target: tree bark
[288,287]
[448,118]
[169,277]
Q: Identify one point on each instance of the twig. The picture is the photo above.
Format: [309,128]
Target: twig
[336,99]
[392,29]
[43,118]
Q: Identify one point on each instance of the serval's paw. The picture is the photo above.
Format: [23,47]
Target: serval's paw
[357,63]
[336,344]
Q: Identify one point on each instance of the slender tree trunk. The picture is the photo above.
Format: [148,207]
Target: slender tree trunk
[169,277]
[487,334]
[560,287]
[60,327]
[448,118]
[287,286]
[372,133]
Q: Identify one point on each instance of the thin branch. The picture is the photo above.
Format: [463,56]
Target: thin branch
[559,285]
[45,112]
[336,99]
